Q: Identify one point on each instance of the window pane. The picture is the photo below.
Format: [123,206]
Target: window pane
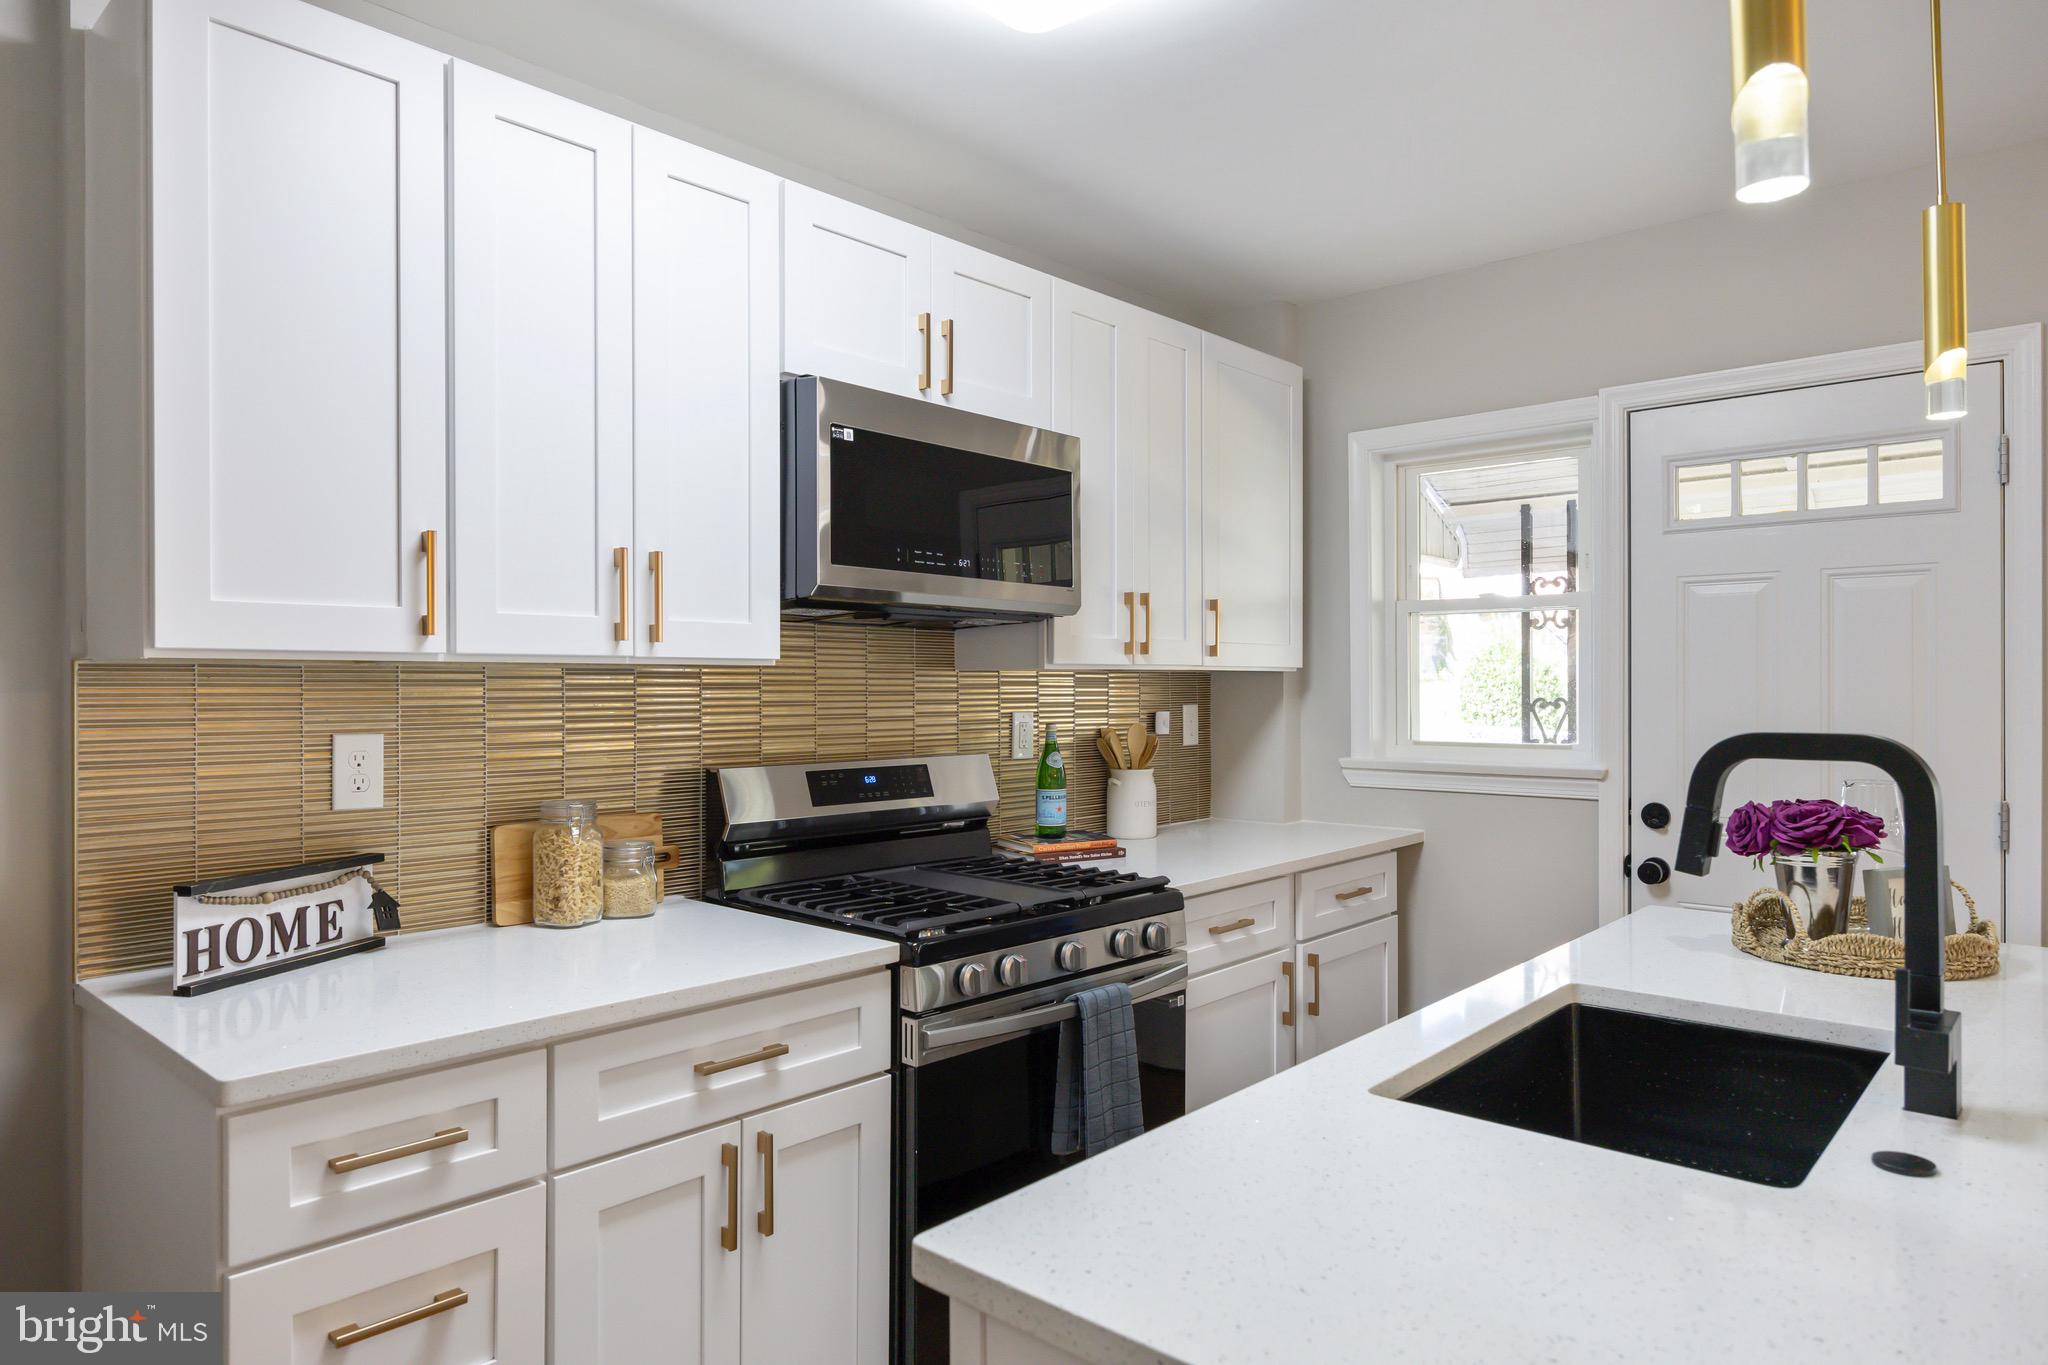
[1470,685]
[1497,530]
[1770,485]
[1705,492]
[1909,472]
[1838,478]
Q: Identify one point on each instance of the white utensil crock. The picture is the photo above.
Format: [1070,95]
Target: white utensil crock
[1133,804]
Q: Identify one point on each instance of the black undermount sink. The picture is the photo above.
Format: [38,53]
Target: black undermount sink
[1750,1105]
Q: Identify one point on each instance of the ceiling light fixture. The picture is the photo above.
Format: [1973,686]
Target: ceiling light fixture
[1943,292]
[1039,16]
[1769,115]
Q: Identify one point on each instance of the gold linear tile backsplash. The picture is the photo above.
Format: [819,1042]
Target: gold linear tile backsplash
[197,769]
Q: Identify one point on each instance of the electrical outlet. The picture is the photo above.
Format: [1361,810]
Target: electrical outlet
[1190,725]
[359,772]
[1162,722]
[1023,729]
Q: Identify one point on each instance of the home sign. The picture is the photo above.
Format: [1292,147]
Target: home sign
[239,928]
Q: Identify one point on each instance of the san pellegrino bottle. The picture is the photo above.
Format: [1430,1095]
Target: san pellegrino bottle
[1052,789]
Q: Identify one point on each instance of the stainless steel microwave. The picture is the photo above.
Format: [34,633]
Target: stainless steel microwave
[904,509]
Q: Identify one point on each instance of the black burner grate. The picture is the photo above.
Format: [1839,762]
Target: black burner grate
[1077,878]
[898,907]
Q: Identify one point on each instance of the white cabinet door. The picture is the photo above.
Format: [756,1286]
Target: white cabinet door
[995,334]
[814,1229]
[542,257]
[1350,984]
[1251,501]
[1240,1026]
[706,403]
[856,284]
[646,1256]
[298,301]
[1164,380]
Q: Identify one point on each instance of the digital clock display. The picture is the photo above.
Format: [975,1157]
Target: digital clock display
[855,786]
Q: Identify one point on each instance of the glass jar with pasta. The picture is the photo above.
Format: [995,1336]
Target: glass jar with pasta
[631,885]
[568,865]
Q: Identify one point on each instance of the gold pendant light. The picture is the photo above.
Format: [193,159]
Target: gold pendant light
[1768,38]
[1947,353]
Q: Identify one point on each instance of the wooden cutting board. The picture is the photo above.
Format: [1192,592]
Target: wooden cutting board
[512,860]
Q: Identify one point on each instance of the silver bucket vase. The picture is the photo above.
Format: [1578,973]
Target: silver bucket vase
[1818,887]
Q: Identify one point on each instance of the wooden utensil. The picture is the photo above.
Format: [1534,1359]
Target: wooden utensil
[1151,748]
[512,859]
[1107,749]
[1134,740]
[1115,740]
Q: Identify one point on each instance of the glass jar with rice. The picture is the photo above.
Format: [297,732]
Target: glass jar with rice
[631,885]
[568,865]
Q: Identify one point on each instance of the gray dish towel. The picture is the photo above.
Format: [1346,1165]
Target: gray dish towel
[1096,1103]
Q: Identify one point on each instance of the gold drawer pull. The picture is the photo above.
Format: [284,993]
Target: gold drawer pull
[729,1157]
[1236,924]
[1287,1015]
[1315,984]
[946,335]
[620,630]
[1216,606]
[430,544]
[764,1143]
[1130,625]
[924,332]
[772,1050]
[1353,894]
[1145,601]
[446,1137]
[447,1301]
[660,610]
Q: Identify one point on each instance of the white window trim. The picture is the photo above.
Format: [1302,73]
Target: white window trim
[1377,758]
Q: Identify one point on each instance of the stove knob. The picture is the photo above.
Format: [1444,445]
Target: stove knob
[1010,970]
[1156,937]
[972,980]
[1124,943]
[1070,956]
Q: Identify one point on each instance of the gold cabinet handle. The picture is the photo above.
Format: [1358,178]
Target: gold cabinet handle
[924,336]
[729,1157]
[430,544]
[447,1301]
[1315,984]
[1130,625]
[1216,641]
[762,1055]
[764,1143]
[1287,1015]
[620,630]
[654,567]
[1145,601]
[446,1137]
[1353,894]
[946,334]
[1232,927]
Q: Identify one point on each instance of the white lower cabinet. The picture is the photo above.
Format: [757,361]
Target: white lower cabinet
[1240,1027]
[1347,982]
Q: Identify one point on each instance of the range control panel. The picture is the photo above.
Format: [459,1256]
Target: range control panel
[855,786]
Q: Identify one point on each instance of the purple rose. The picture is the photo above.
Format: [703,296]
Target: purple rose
[1862,829]
[1748,831]
[1805,826]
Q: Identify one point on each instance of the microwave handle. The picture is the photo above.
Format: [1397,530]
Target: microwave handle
[1007,1025]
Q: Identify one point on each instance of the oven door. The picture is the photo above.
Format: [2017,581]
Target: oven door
[974,1116]
[897,501]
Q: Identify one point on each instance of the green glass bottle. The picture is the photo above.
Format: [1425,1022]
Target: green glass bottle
[1052,789]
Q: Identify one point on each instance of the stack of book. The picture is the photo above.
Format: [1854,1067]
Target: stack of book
[1075,846]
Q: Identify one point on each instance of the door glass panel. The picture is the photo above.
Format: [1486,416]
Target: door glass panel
[1706,492]
[1471,685]
[1770,485]
[909,505]
[1838,478]
[1909,471]
[1497,530]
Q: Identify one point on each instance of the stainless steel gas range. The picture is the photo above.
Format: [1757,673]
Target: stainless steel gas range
[992,950]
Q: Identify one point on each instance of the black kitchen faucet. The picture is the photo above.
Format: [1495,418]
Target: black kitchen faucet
[1928,1040]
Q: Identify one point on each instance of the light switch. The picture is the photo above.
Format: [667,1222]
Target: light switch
[1162,722]
[1190,725]
[359,772]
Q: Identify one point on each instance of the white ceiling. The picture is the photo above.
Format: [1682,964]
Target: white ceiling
[1220,152]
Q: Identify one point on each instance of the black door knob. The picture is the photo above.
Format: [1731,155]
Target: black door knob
[1656,815]
[1653,872]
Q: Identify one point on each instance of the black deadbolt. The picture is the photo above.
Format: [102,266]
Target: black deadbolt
[1653,872]
[1656,815]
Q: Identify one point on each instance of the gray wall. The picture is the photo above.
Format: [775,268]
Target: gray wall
[34,647]
[1833,270]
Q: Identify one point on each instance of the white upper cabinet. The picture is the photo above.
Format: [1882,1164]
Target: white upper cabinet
[297,292]
[879,303]
[542,250]
[1251,500]
[706,403]
[1163,449]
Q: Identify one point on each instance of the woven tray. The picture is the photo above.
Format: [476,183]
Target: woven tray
[1764,926]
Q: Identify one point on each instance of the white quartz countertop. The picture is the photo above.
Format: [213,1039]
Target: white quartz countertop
[1312,1218]
[429,999]
[1211,855]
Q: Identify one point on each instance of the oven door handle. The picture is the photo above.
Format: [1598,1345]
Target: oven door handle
[929,1039]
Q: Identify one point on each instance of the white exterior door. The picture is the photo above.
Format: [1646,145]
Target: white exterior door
[1251,507]
[706,403]
[641,1267]
[995,325]
[1241,1026]
[543,293]
[298,301]
[1349,985]
[1819,559]
[814,1229]
[855,285]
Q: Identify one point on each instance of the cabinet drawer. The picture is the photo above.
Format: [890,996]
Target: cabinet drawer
[1343,894]
[492,1253]
[487,1123]
[1230,926]
[617,1090]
